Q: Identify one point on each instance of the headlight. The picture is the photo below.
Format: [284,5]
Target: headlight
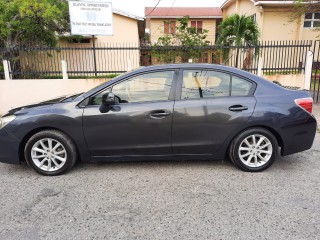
[4,121]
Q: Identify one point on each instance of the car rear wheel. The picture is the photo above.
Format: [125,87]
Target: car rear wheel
[254,150]
[50,153]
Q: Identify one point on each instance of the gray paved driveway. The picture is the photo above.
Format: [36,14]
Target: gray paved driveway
[164,200]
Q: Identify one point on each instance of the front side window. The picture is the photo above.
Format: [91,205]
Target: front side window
[143,88]
[311,20]
[199,84]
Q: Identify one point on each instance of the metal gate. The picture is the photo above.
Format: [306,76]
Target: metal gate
[315,76]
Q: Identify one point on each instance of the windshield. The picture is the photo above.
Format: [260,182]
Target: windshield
[72,97]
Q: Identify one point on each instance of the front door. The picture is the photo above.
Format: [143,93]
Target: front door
[140,124]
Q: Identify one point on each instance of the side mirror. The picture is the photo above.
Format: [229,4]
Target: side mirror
[108,99]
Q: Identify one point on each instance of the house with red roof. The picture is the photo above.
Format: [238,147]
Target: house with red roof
[163,20]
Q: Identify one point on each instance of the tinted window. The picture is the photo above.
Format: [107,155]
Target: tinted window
[204,84]
[240,87]
[146,87]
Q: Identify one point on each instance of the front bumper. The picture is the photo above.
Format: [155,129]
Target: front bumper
[9,148]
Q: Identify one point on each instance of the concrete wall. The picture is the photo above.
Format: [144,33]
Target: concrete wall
[277,25]
[290,80]
[156,27]
[15,93]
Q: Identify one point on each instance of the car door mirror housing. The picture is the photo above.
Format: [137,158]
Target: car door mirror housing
[108,99]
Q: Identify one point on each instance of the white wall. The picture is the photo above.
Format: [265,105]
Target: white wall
[289,80]
[15,93]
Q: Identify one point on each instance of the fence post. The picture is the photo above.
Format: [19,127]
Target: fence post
[64,69]
[260,63]
[308,70]
[6,70]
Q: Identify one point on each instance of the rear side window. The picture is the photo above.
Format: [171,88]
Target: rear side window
[207,84]
[204,84]
[240,87]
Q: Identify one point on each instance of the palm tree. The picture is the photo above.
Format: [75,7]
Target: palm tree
[238,30]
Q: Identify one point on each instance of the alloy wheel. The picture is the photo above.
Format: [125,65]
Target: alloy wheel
[255,150]
[48,154]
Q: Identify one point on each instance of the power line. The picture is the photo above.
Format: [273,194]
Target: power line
[171,7]
[154,8]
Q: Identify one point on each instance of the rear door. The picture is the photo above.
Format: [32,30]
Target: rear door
[210,106]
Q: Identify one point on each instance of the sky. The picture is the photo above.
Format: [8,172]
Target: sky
[137,6]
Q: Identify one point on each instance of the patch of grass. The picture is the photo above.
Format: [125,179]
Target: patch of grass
[284,72]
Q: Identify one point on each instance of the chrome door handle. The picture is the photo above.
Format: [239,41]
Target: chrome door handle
[159,114]
[238,108]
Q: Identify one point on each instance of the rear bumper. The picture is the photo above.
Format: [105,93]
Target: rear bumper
[9,148]
[299,136]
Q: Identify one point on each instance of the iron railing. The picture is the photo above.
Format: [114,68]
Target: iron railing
[85,60]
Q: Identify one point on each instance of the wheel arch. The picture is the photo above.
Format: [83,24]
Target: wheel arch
[270,129]
[37,130]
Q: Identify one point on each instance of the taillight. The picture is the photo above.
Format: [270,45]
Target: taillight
[305,103]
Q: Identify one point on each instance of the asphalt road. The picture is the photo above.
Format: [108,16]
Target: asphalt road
[164,200]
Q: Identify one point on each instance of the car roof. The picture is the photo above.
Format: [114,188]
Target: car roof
[198,65]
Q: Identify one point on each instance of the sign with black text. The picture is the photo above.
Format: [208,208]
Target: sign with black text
[91,18]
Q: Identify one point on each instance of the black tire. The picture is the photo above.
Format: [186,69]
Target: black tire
[68,148]
[259,158]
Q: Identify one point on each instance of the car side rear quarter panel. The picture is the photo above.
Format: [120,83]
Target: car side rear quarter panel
[276,109]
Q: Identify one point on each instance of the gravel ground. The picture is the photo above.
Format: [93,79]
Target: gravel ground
[165,200]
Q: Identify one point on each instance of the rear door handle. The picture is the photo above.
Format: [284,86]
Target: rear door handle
[159,114]
[238,108]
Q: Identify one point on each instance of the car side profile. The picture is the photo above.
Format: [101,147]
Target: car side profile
[164,112]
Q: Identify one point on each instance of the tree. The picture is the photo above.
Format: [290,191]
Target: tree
[32,21]
[238,30]
[187,39]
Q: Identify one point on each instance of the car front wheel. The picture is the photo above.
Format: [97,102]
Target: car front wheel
[254,150]
[50,152]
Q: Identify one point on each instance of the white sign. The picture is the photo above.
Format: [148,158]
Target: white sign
[91,18]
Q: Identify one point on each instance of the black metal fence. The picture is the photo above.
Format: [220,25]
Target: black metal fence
[84,60]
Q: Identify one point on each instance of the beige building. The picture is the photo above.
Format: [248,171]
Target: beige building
[161,20]
[274,19]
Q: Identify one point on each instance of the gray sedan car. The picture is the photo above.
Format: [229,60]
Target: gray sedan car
[166,112]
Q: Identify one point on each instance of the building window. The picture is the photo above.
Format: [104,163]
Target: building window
[169,27]
[80,40]
[311,20]
[253,18]
[197,25]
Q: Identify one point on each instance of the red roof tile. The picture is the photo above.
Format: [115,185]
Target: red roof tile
[192,12]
